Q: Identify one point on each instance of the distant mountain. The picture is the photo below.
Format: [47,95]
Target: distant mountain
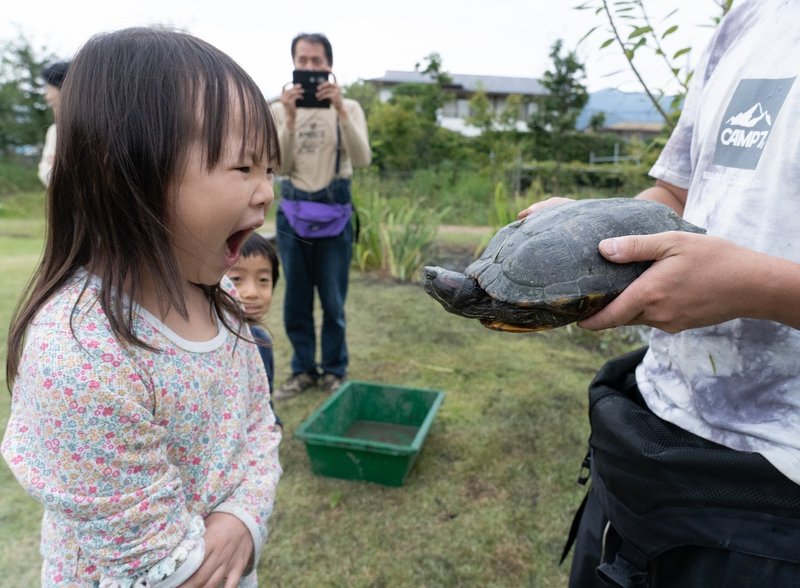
[621,107]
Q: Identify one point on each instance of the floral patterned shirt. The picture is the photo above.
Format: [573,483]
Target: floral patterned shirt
[129,449]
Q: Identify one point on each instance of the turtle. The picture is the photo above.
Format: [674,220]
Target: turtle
[545,271]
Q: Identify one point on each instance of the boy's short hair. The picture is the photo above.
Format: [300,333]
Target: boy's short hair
[55,73]
[258,245]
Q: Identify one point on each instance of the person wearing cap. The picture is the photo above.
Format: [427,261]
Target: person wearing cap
[53,76]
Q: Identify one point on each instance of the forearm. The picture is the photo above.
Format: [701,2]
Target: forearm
[252,500]
[355,138]
[665,193]
[772,289]
[286,143]
[111,485]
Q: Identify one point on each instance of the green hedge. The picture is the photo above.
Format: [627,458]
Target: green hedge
[573,177]
[18,175]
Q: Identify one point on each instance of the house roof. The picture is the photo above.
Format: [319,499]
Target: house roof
[470,83]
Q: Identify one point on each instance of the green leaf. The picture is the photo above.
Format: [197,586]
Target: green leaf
[587,35]
[606,43]
[669,31]
[639,31]
[335,498]
[680,52]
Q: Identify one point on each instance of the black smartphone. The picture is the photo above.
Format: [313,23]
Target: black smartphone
[310,80]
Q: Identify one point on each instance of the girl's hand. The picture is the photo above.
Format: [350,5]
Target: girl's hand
[229,547]
[696,281]
[539,206]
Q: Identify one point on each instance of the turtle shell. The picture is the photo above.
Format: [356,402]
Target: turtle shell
[550,259]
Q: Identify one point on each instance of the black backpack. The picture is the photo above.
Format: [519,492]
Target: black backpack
[664,489]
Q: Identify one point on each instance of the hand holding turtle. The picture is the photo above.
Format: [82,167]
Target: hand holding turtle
[545,271]
[539,206]
[695,281]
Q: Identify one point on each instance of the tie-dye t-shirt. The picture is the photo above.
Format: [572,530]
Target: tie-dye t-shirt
[737,151]
[129,449]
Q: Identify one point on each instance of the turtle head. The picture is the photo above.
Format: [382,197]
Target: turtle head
[456,292]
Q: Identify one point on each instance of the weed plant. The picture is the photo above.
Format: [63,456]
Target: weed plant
[395,238]
[463,194]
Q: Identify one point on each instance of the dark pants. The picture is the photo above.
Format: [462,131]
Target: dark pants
[670,509]
[309,264]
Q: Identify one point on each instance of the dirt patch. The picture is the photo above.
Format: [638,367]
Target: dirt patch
[468,230]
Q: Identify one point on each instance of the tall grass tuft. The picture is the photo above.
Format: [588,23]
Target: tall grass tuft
[506,206]
[395,237]
[461,192]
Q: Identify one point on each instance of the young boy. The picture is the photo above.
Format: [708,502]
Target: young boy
[255,277]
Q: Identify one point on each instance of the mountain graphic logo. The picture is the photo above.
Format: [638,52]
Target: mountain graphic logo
[750,118]
[748,121]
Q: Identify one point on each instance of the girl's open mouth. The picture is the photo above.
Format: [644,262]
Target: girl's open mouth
[234,243]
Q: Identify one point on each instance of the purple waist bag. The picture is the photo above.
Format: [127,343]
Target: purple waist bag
[316,220]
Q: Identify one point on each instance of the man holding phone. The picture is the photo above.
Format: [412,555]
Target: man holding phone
[322,136]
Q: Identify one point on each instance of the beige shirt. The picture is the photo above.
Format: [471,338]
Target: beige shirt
[308,155]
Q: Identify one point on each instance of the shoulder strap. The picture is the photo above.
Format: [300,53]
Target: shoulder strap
[338,148]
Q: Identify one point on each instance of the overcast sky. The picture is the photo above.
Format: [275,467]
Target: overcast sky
[499,37]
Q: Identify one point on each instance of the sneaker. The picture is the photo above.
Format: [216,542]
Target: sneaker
[331,383]
[295,385]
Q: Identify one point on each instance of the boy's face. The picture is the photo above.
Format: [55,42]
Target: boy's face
[252,277]
[52,95]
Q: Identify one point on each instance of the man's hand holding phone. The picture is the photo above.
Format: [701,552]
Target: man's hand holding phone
[311,89]
[315,87]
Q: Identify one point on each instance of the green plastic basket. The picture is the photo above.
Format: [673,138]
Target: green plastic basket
[369,432]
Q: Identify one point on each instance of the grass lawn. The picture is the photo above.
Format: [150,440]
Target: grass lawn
[488,502]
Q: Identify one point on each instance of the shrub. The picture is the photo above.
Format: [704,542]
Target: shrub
[18,174]
[573,178]
[395,237]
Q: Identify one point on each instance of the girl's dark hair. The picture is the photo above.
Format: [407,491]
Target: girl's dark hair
[315,38]
[133,103]
[258,245]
